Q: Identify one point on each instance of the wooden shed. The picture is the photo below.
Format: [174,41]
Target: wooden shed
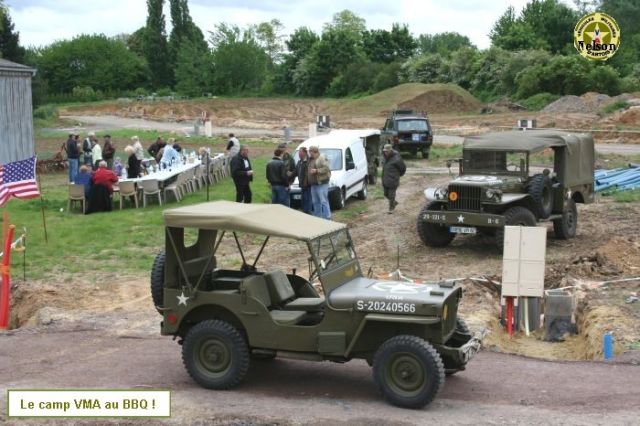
[16,112]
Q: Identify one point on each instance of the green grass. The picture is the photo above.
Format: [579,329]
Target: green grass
[121,242]
[445,152]
[539,101]
[615,106]
[627,196]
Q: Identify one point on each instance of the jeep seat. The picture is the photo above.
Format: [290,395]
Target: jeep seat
[256,287]
[283,295]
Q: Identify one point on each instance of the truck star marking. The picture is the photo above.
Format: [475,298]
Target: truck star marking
[182,299]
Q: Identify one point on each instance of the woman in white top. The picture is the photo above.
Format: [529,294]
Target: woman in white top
[96,154]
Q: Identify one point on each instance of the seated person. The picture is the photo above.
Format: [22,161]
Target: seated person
[104,177]
[84,178]
[118,167]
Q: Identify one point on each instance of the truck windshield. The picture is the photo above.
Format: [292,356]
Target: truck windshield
[333,250]
[412,125]
[494,162]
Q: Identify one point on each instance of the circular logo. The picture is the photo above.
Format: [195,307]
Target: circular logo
[400,288]
[597,36]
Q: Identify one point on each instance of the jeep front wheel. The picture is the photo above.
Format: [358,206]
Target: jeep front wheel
[433,234]
[515,216]
[408,371]
[215,354]
[565,227]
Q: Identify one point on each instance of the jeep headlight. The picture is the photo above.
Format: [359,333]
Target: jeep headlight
[441,193]
[493,194]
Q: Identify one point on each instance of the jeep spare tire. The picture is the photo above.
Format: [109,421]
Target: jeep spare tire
[515,216]
[157,281]
[539,188]
[433,234]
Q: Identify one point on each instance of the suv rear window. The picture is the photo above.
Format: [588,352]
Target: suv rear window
[412,126]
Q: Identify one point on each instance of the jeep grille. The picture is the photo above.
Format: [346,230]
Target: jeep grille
[449,323]
[468,197]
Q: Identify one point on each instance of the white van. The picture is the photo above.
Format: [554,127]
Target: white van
[345,152]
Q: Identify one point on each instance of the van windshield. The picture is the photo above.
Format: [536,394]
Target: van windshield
[333,155]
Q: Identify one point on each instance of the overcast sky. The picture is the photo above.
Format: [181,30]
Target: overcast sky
[40,22]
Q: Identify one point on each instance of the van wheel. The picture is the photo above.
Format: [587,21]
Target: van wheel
[408,371]
[215,354]
[362,194]
[515,216]
[339,200]
[433,234]
[157,281]
[565,227]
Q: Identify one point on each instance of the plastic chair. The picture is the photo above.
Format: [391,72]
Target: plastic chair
[128,189]
[150,187]
[175,189]
[76,193]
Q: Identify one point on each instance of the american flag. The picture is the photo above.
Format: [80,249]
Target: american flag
[18,179]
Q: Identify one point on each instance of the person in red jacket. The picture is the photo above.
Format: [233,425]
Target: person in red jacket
[104,176]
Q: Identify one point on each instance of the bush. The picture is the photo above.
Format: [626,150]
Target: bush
[539,101]
[164,91]
[615,106]
[45,112]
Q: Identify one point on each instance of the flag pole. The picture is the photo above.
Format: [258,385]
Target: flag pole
[44,221]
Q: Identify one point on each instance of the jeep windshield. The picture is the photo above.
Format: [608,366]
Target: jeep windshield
[495,162]
[333,250]
[412,125]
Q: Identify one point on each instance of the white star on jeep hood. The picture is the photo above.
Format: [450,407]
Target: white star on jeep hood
[460,219]
[182,299]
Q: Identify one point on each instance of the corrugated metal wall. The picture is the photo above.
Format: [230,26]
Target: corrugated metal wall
[16,116]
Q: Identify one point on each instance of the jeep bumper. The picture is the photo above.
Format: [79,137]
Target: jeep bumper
[460,218]
[458,356]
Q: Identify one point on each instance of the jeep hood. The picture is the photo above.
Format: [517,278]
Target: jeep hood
[392,297]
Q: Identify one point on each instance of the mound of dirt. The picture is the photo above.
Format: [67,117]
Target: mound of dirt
[568,103]
[629,117]
[441,101]
[590,102]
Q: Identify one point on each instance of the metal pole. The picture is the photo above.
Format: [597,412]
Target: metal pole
[44,221]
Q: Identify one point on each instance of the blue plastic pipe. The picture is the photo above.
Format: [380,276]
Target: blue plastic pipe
[607,345]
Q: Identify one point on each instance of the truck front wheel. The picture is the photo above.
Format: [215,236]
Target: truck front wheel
[433,234]
[515,216]
[408,371]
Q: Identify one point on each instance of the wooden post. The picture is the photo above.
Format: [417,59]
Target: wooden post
[44,221]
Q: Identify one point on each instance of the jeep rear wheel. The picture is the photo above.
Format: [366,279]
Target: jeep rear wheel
[566,227]
[515,216]
[157,281]
[408,371]
[433,234]
[215,354]
[539,188]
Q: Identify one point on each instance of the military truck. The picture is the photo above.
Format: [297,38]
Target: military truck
[226,316]
[498,186]
[408,130]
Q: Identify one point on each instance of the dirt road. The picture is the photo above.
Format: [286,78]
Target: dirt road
[496,388]
[114,122]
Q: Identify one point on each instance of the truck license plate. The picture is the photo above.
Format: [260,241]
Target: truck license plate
[462,230]
[415,137]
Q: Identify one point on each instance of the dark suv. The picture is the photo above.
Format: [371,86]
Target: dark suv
[408,130]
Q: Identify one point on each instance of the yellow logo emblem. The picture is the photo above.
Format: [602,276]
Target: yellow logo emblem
[597,36]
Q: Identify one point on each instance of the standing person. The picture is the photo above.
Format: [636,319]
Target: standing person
[170,155]
[87,146]
[289,162]
[318,177]
[233,146]
[133,166]
[303,179]
[392,168]
[96,154]
[155,147]
[137,146]
[73,155]
[242,175]
[278,179]
[108,151]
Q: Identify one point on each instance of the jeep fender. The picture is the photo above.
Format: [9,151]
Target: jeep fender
[430,194]
[512,198]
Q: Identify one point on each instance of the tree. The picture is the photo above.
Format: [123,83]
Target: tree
[298,45]
[94,61]
[383,46]
[156,50]
[240,64]
[443,44]
[269,35]
[542,24]
[10,48]
[135,42]
[193,70]
[432,68]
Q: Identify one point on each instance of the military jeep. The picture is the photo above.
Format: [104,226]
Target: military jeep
[225,317]
[498,186]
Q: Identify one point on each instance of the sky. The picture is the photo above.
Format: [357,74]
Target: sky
[41,22]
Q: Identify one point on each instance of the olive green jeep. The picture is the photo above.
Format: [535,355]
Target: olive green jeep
[498,186]
[224,317]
